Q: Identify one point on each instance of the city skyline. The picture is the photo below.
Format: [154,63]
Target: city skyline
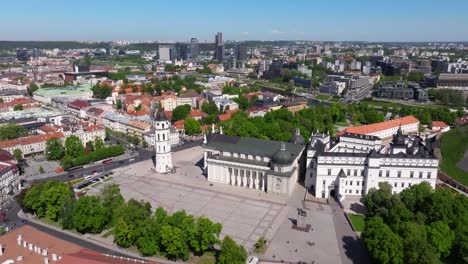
[140,21]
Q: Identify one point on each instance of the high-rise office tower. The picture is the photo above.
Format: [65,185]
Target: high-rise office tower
[240,51]
[182,50]
[166,53]
[219,47]
[194,48]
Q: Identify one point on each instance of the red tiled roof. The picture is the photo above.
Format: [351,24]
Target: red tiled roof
[438,124]
[29,140]
[372,128]
[179,125]
[48,129]
[52,244]
[79,104]
[224,117]
[17,101]
[197,113]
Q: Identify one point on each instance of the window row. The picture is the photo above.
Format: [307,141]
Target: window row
[411,174]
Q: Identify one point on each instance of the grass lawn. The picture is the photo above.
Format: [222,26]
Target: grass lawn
[322,97]
[335,99]
[107,179]
[76,181]
[207,258]
[343,124]
[49,221]
[454,144]
[107,234]
[358,222]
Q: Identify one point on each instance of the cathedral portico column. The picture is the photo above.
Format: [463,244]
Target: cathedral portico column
[257,181]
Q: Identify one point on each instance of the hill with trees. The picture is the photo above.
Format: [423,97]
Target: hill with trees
[419,225]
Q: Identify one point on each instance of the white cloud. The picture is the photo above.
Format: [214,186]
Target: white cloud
[244,33]
[276,32]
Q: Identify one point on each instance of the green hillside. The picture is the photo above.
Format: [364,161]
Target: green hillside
[454,144]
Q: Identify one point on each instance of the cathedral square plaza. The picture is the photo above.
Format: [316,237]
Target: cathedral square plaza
[246,214]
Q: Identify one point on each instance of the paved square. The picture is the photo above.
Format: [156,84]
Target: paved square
[243,218]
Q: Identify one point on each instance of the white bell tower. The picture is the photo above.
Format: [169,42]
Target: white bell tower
[163,146]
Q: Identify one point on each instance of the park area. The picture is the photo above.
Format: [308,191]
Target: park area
[358,222]
[454,147]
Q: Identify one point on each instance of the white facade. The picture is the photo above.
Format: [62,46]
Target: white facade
[9,180]
[163,146]
[357,163]
[253,169]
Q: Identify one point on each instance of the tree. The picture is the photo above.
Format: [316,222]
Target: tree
[206,234]
[1,101]
[32,88]
[98,143]
[89,147]
[73,146]
[180,112]
[441,237]
[173,244]
[12,131]
[149,237]
[383,245]
[243,102]
[123,234]
[54,149]
[101,92]
[119,104]
[66,162]
[41,170]
[191,126]
[210,108]
[415,196]
[18,108]
[415,243]
[111,200]
[231,253]
[89,216]
[18,154]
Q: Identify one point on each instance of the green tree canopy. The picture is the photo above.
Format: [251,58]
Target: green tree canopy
[210,108]
[440,237]
[231,253]
[124,234]
[101,92]
[89,216]
[181,112]
[73,146]
[12,131]
[111,200]
[191,126]
[383,245]
[18,154]
[54,149]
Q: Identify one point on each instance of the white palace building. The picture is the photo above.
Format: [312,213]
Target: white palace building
[267,165]
[352,164]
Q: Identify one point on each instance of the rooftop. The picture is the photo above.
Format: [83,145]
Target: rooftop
[453,77]
[252,146]
[372,128]
[29,140]
[64,91]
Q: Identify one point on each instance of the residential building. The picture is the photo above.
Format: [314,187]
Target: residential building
[407,124]
[350,165]
[224,104]
[439,126]
[270,166]
[29,145]
[189,97]
[294,106]
[9,176]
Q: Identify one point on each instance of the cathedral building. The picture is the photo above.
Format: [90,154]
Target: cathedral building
[266,165]
[352,164]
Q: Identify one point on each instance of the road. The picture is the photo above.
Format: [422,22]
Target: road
[14,221]
[352,249]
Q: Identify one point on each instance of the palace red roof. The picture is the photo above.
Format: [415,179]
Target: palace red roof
[372,128]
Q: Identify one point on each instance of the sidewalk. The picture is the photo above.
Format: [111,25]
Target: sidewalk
[94,239]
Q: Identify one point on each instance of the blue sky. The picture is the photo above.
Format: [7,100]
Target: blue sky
[378,20]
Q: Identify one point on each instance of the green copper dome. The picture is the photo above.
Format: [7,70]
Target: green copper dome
[282,156]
